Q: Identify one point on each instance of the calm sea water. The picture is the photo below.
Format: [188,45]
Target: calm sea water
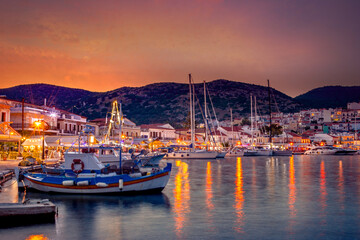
[301,197]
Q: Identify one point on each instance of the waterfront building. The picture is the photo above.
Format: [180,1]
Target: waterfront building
[158,131]
[128,129]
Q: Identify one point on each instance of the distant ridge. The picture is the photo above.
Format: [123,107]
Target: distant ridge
[330,97]
[168,102]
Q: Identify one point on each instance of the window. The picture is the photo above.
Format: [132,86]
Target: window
[3,116]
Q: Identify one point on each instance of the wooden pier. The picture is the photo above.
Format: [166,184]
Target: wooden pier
[30,212]
[5,176]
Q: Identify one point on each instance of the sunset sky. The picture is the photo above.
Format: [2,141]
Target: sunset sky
[104,45]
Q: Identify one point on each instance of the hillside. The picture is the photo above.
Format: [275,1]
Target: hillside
[330,97]
[154,103]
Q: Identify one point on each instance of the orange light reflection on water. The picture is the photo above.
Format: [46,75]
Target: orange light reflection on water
[239,197]
[323,185]
[292,188]
[181,196]
[37,237]
[208,189]
[341,186]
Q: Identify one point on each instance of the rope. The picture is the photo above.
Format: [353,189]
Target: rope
[10,184]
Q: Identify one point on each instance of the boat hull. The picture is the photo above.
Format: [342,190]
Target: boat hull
[191,155]
[111,184]
[257,153]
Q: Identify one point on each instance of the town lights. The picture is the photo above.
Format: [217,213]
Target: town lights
[43,125]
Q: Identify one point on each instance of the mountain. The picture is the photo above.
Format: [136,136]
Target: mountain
[330,97]
[155,103]
[60,97]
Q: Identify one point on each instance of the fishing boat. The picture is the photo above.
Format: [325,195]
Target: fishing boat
[85,174]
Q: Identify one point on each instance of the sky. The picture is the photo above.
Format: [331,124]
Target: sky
[103,45]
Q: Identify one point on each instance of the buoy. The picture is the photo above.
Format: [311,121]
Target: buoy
[83,183]
[101,184]
[121,184]
[68,183]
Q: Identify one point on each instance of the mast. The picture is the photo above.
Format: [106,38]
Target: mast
[232,128]
[206,116]
[251,119]
[255,113]
[270,130]
[191,112]
[120,135]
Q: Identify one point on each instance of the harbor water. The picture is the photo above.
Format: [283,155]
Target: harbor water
[298,197]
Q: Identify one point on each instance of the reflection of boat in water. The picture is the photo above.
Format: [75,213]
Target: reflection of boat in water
[85,174]
[155,199]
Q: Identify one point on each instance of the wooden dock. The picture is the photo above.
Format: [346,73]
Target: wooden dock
[30,212]
[5,176]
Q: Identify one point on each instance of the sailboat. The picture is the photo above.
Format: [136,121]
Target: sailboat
[192,153]
[207,113]
[255,151]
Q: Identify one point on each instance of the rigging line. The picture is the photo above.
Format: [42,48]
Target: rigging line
[277,107]
[202,113]
[213,109]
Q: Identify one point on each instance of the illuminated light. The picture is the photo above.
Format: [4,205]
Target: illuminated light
[92,139]
[178,141]
[122,136]
[52,114]
[11,133]
[322,144]
[238,143]
[37,123]
[291,144]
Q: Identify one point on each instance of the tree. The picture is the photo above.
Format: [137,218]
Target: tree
[245,121]
[275,129]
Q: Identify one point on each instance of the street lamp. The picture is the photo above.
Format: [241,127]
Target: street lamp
[43,125]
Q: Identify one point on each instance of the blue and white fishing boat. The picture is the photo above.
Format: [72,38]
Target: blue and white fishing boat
[85,174]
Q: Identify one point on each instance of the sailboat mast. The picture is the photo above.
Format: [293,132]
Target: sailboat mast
[251,119]
[206,117]
[270,130]
[191,112]
[232,128]
[255,113]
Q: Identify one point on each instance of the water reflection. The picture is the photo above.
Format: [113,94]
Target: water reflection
[341,186]
[208,188]
[323,193]
[239,197]
[292,188]
[292,196]
[181,196]
[37,237]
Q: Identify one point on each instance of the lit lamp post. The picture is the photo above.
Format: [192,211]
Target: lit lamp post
[41,124]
